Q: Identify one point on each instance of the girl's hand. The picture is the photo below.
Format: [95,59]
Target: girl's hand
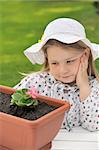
[82,75]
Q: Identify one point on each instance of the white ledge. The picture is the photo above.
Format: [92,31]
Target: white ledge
[77,139]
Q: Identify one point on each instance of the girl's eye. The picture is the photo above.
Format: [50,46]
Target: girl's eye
[70,61]
[54,63]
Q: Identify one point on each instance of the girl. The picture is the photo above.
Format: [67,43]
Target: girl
[68,73]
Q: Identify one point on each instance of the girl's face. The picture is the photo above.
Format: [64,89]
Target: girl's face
[63,63]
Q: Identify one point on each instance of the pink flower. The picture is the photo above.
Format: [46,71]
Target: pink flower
[32,92]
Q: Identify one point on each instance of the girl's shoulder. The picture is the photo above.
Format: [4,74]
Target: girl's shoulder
[39,75]
[35,78]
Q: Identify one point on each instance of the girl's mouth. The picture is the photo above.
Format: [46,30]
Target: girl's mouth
[66,76]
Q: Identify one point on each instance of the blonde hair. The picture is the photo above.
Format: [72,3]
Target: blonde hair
[78,46]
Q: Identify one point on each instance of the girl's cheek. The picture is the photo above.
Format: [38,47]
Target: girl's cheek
[54,69]
[51,67]
[77,63]
[77,66]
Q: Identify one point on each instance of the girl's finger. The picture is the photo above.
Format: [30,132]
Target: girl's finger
[87,52]
[84,63]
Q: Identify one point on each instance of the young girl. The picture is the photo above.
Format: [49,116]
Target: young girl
[68,73]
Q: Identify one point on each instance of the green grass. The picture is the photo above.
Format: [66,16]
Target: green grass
[22,24]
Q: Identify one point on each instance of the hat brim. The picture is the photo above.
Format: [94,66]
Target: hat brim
[36,55]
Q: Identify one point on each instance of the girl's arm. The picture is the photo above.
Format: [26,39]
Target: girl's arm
[84,92]
[89,96]
[28,82]
[82,76]
[89,109]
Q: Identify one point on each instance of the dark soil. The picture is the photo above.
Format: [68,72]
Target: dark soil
[23,112]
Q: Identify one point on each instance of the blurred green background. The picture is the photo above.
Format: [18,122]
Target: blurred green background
[22,24]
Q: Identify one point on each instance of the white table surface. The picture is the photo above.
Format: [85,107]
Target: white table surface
[77,139]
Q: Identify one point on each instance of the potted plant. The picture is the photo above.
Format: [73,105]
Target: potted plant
[18,133]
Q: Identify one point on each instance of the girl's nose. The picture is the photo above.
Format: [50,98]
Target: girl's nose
[64,69]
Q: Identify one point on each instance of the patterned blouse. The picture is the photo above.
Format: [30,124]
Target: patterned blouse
[85,113]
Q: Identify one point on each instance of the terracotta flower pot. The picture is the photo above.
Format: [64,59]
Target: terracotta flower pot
[21,134]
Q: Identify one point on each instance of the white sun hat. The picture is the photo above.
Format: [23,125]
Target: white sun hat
[65,30]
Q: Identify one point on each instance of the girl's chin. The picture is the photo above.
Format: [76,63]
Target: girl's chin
[67,79]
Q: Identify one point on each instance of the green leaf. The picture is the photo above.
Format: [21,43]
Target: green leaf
[29,102]
[12,101]
[20,98]
[35,102]
[27,96]
[24,91]
[17,96]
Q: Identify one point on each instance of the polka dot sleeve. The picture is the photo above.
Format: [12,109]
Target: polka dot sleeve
[89,109]
[29,81]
